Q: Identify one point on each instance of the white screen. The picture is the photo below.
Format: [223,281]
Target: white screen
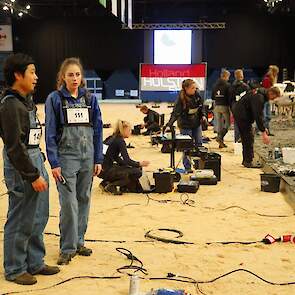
[172,46]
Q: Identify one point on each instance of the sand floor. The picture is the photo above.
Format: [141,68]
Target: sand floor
[128,217]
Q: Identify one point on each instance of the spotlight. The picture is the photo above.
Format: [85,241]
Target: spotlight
[28,7]
[5,8]
[20,14]
[12,1]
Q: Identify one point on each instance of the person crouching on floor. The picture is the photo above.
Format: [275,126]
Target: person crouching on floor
[119,172]
[151,120]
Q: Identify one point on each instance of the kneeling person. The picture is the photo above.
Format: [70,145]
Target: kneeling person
[119,171]
[151,120]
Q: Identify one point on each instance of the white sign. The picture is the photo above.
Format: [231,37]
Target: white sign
[78,115]
[5,38]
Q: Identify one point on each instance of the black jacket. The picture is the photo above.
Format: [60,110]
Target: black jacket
[117,154]
[250,108]
[237,88]
[14,130]
[151,118]
[190,116]
[221,93]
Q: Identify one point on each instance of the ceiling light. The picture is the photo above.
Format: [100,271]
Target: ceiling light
[20,14]
[5,7]
[28,7]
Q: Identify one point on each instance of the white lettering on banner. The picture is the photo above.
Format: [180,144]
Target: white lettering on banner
[168,84]
[78,115]
[167,73]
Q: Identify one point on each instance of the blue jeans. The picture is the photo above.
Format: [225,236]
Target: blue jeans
[76,155]
[267,114]
[27,217]
[196,134]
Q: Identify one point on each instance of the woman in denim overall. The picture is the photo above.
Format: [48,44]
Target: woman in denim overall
[74,150]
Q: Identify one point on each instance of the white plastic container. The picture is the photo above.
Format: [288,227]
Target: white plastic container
[288,155]
[238,149]
[134,285]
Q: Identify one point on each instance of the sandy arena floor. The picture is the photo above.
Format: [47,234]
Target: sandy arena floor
[128,217]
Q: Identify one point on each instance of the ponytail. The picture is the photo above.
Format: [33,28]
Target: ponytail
[119,128]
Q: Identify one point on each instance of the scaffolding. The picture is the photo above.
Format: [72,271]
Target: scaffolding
[179,26]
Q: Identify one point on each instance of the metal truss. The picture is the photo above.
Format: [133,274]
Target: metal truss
[179,26]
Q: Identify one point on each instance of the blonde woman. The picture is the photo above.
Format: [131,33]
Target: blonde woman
[74,150]
[119,171]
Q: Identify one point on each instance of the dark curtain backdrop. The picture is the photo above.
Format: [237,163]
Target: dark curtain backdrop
[253,41]
[100,43]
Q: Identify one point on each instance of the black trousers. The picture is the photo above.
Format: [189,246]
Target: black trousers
[154,127]
[123,176]
[247,138]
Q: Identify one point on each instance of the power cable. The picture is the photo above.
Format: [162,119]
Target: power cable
[253,212]
[63,282]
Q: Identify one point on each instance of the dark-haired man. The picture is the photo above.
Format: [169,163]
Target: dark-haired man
[247,110]
[25,175]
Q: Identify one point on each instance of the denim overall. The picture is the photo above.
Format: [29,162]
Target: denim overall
[27,216]
[76,155]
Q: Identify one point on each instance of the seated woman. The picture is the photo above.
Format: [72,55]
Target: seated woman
[119,172]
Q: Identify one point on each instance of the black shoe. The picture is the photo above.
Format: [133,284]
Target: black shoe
[221,143]
[251,165]
[129,146]
[188,171]
[48,270]
[113,189]
[103,184]
[25,279]
[64,259]
[83,251]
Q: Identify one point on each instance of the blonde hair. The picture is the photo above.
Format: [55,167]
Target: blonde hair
[120,126]
[183,96]
[63,68]
[224,74]
[273,72]
[239,74]
[275,90]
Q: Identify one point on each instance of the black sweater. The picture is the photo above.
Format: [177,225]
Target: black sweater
[190,116]
[236,89]
[14,130]
[117,154]
[151,118]
[250,108]
[221,93]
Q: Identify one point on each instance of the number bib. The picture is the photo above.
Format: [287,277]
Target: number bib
[35,136]
[78,116]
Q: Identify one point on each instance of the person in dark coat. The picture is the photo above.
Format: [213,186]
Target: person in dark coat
[221,96]
[151,120]
[119,171]
[247,110]
[189,114]
[238,89]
